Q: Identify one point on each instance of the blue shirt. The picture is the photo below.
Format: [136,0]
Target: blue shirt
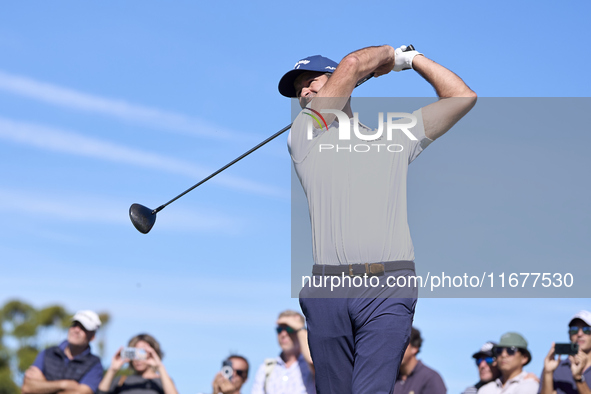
[92,378]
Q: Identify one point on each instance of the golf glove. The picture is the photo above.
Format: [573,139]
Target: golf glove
[402,59]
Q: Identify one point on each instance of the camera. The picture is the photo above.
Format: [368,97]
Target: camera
[227,370]
[134,353]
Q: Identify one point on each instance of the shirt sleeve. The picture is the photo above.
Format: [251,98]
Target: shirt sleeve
[299,142]
[419,132]
[258,387]
[528,386]
[39,361]
[93,377]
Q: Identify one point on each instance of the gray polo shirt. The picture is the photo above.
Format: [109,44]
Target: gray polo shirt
[422,380]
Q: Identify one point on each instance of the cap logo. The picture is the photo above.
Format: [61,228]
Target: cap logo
[330,68]
[298,64]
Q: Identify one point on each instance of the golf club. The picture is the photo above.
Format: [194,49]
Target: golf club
[143,218]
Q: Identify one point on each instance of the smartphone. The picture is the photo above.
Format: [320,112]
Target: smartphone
[134,353]
[227,370]
[566,348]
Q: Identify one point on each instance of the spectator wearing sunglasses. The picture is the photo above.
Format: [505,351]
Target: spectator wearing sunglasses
[512,355]
[415,377]
[292,372]
[487,367]
[572,374]
[240,367]
[68,367]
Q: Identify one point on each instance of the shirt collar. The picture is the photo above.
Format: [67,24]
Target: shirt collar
[65,344]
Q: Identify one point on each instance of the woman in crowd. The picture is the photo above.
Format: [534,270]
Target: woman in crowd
[149,375]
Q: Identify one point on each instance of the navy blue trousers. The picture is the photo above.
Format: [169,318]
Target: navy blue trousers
[357,344]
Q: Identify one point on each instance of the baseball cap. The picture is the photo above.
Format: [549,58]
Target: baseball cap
[312,63]
[582,315]
[89,319]
[514,339]
[485,351]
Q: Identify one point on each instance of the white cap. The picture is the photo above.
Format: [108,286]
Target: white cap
[89,319]
[584,316]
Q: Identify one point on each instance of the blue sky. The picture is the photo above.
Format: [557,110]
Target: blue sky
[107,104]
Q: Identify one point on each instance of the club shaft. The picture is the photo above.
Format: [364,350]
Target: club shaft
[277,134]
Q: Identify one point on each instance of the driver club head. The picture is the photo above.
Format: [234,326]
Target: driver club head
[142,218]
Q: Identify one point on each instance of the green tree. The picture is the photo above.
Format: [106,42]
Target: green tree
[25,331]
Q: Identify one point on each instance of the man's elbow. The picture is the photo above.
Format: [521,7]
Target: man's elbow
[350,64]
[468,97]
[26,388]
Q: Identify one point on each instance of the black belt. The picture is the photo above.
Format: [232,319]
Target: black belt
[371,269]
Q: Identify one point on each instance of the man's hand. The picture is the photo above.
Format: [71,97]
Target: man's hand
[578,363]
[550,362]
[295,322]
[402,59]
[222,385]
[34,373]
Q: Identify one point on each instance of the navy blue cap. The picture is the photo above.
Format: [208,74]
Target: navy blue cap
[312,63]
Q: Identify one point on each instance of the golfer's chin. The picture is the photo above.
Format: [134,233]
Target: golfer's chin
[304,101]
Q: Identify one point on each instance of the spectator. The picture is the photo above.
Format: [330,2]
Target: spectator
[512,355]
[292,372]
[414,376]
[571,375]
[487,367]
[149,375]
[239,376]
[68,367]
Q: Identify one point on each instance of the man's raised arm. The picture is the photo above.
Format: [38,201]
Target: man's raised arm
[456,98]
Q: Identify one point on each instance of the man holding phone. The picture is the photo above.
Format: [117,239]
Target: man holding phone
[571,374]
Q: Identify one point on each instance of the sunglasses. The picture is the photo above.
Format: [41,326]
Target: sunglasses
[574,330]
[241,373]
[510,350]
[489,360]
[289,330]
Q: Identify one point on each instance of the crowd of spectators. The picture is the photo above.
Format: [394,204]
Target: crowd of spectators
[71,368]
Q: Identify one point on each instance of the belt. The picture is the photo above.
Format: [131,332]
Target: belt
[371,269]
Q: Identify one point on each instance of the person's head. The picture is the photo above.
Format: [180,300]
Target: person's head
[286,336]
[306,78]
[143,341]
[579,330]
[83,327]
[414,346]
[486,362]
[512,354]
[240,367]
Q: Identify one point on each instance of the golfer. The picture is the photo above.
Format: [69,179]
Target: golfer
[357,204]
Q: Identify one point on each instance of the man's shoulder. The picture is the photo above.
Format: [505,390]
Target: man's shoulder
[425,369]
[490,387]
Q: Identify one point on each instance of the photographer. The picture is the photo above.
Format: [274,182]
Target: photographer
[149,377]
[230,380]
[572,374]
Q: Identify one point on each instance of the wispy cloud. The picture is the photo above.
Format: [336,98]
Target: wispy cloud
[153,117]
[63,141]
[90,209]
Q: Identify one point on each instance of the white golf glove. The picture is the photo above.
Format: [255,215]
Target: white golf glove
[403,60]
